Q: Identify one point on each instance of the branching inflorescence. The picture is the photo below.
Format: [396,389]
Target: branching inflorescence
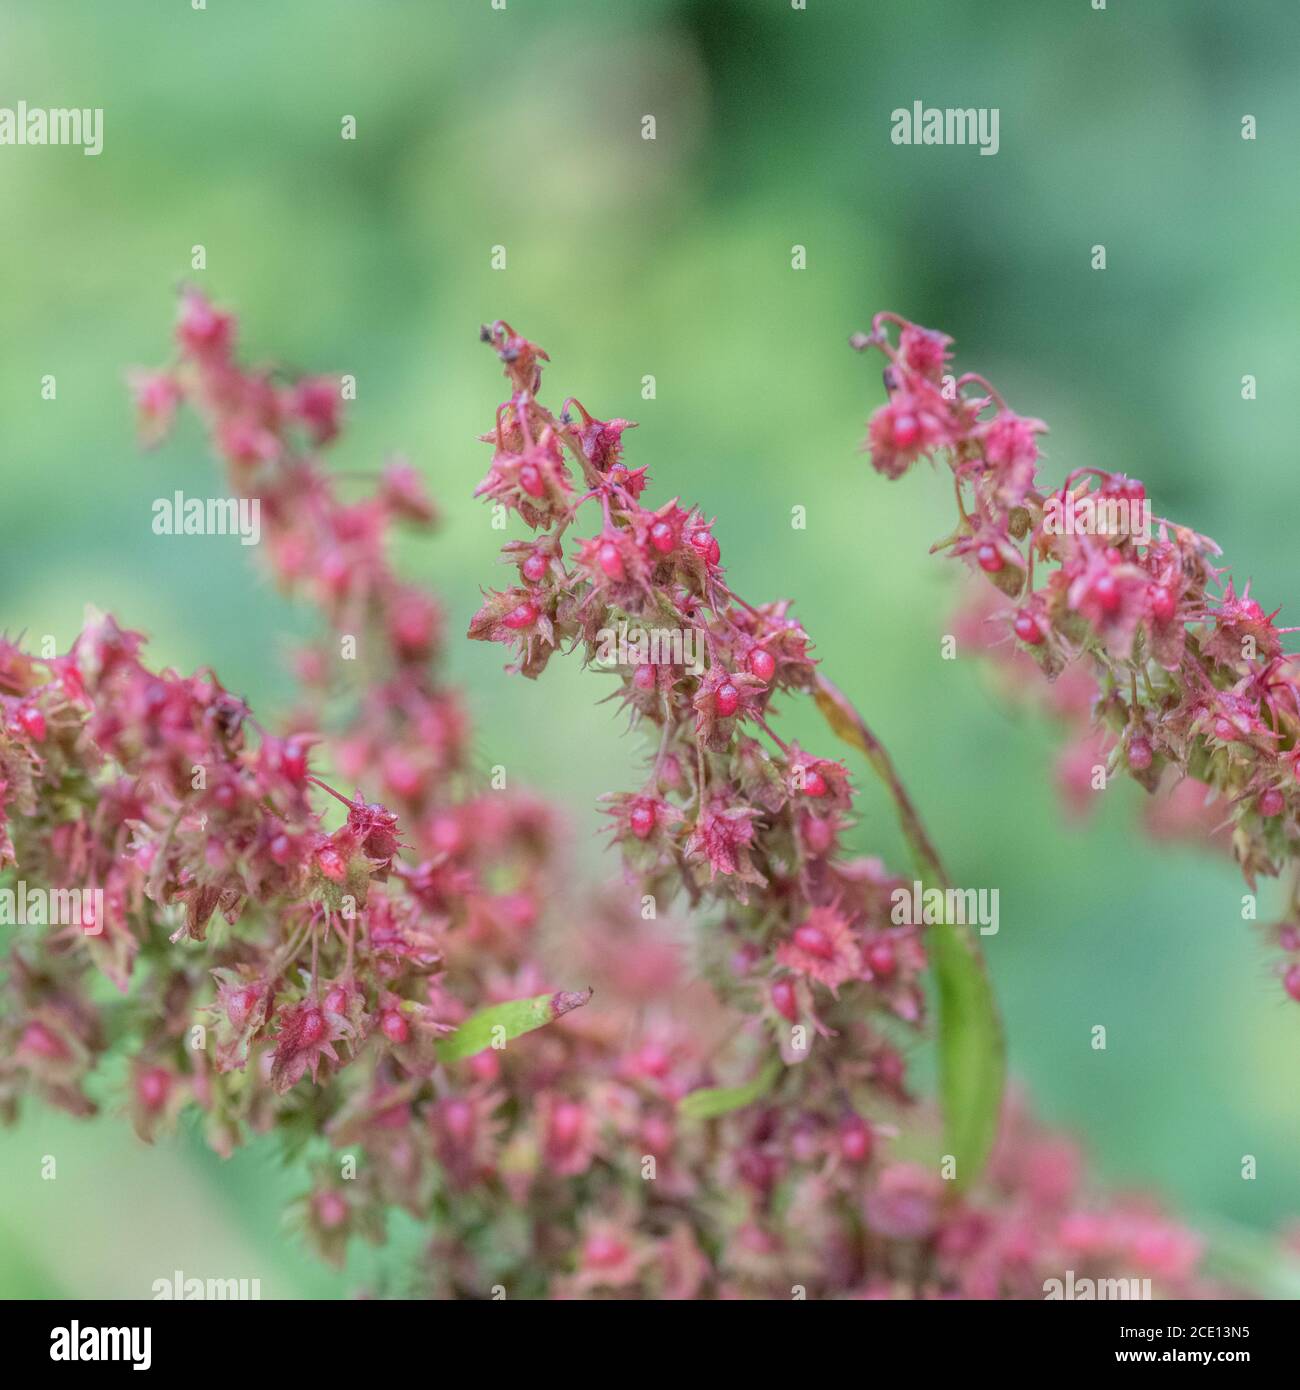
[372,987]
[1181,678]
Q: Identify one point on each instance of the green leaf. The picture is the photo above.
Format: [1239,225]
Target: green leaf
[972,1062]
[711,1101]
[972,1058]
[515,1017]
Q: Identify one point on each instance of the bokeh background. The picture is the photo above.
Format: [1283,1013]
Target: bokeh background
[521,127]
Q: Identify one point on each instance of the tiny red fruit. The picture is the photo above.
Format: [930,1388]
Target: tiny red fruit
[524,615]
[990,558]
[762,664]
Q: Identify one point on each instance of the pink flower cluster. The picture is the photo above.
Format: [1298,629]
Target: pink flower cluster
[1179,678]
[293,960]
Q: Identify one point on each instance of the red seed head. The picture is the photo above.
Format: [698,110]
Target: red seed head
[311,1027]
[603,1251]
[882,960]
[331,1210]
[611,561]
[1291,981]
[1027,629]
[1106,591]
[726,700]
[32,722]
[395,1027]
[530,479]
[458,1117]
[1163,605]
[989,558]
[566,1124]
[642,820]
[706,546]
[293,760]
[814,941]
[534,567]
[814,784]
[856,1139]
[906,430]
[332,864]
[661,537]
[784,999]
[152,1087]
[762,664]
[39,1041]
[525,615]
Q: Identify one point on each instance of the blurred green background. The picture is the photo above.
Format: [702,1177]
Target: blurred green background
[479,127]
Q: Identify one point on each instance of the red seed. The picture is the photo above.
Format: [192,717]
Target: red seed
[566,1124]
[661,537]
[1163,606]
[762,664]
[525,615]
[530,479]
[611,561]
[726,700]
[32,722]
[990,558]
[396,1029]
[1106,591]
[293,761]
[312,1028]
[856,1140]
[332,864]
[814,784]
[814,941]
[458,1116]
[784,1000]
[642,821]
[602,1252]
[1271,802]
[882,960]
[534,567]
[331,1210]
[152,1086]
[1139,754]
[1027,629]
[644,677]
[906,431]
[818,833]
[707,547]
[39,1041]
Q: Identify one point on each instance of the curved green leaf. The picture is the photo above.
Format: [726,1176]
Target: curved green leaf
[711,1101]
[515,1017]
[972,1055]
